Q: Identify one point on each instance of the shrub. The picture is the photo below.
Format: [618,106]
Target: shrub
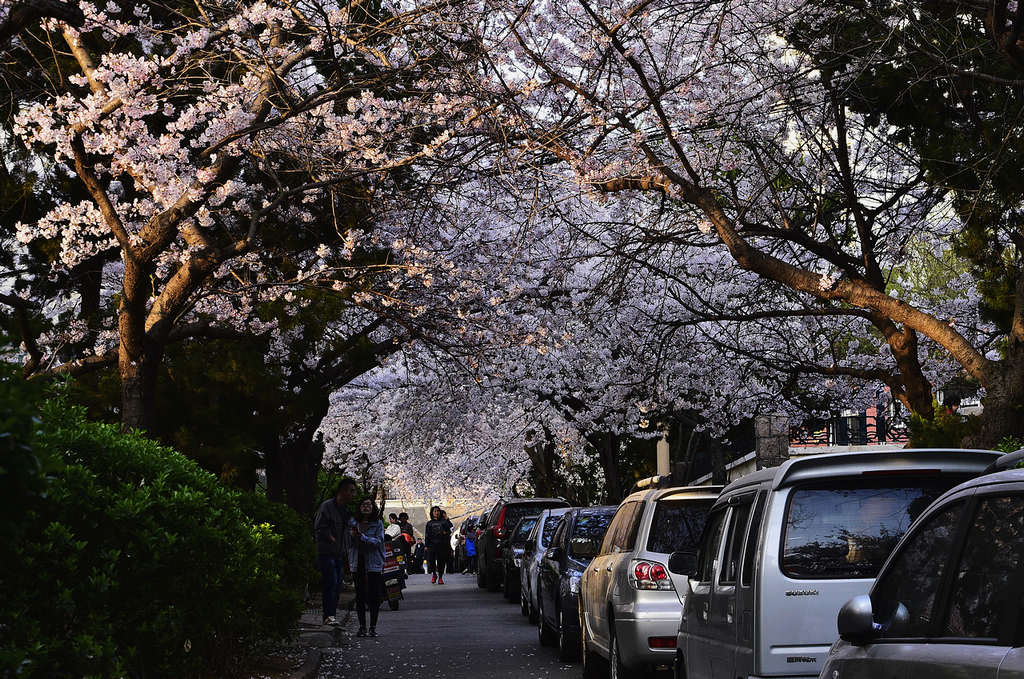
[139,563]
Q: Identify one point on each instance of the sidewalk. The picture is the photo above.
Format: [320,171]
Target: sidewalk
[300,657]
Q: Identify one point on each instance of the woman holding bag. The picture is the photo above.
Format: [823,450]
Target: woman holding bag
[366,559]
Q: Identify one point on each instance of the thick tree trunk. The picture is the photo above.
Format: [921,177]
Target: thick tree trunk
[291,473]
[1003,406]
[138,386]
[542,466]
[719,476]
[608,448]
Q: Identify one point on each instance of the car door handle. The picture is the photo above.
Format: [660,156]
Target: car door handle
[609,569]
[596,569]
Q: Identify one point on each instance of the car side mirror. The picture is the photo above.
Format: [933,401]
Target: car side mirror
[585,548]
[555,554]
[856,622]
[683,562]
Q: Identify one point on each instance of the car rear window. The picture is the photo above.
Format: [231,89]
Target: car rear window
[591,526]
[847,529]
[550,526]
[517,511]
[523,529]
[677,524]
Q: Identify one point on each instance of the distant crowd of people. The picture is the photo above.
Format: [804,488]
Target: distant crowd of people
[354,542]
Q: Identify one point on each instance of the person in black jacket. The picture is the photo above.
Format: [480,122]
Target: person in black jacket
[438,534]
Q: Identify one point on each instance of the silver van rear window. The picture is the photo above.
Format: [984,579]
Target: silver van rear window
[677,524]
[846,529]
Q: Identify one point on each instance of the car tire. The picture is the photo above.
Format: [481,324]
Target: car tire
[593,668]
[678,667]
[511,589]
[481,575]
[568,645]
[531,612]
[494,581]
[617,670]
[545,635]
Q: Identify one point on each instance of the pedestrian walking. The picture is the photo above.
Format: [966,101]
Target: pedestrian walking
[331,527]
[419,555]
[470,552]
[366,554]
[438,532]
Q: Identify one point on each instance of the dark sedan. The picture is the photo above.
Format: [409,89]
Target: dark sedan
[576,542]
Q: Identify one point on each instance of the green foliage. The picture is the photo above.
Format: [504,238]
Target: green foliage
[1010,444]
[946,430]
[137,562]
[23,466]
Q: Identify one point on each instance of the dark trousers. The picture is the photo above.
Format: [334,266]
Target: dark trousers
[438,562]
[369,588]
[332,570]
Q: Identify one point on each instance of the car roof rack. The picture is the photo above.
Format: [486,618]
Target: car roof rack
[1007,461]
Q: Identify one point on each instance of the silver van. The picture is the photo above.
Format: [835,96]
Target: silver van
[786,547]
[629,602]
[947,604]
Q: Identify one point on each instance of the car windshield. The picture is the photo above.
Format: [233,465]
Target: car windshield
[589,527]
[550,526]
[847,529]
[677,524]
[523,529]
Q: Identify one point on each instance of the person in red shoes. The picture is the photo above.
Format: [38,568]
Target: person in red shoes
[438,534]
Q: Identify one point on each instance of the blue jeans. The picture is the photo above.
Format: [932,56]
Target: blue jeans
[332,570]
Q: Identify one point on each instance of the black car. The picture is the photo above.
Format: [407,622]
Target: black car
[516,544]
[491,548]
[576,542]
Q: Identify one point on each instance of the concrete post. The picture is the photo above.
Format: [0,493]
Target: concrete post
[664,466]
[772,439]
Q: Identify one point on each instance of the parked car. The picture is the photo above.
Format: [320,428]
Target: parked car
[537,544]
[629,602]
[500,520]
[948,601]
[516,546]
[576,542]
[786,546]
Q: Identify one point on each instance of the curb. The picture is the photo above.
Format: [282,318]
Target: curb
[310,666]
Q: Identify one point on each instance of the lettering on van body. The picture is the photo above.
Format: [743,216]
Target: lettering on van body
[801,659]
[801,592]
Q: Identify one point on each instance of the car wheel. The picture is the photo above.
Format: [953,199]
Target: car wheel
[508,589]
[678,667]
[616,670]
[481,575]
[568,646]
[494,581]
[545,635]
[524,606]
[592,667]
[532,612]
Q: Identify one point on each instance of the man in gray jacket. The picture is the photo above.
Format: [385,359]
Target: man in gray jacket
[332,527]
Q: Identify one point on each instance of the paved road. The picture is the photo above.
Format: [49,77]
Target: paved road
[455,631]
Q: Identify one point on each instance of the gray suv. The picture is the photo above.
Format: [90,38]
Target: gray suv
[786,546]
[950,600]
[629,601]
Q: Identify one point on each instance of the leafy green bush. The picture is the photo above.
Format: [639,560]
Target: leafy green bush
[946,430]
[139,563]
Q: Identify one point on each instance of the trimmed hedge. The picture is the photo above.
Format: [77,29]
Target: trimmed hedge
[139,563]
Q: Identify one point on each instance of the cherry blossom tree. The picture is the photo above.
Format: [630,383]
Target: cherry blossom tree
[214,146]
[715,135]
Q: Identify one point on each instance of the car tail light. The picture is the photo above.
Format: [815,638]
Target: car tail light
[499,526]
[644,574]
[661,642]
